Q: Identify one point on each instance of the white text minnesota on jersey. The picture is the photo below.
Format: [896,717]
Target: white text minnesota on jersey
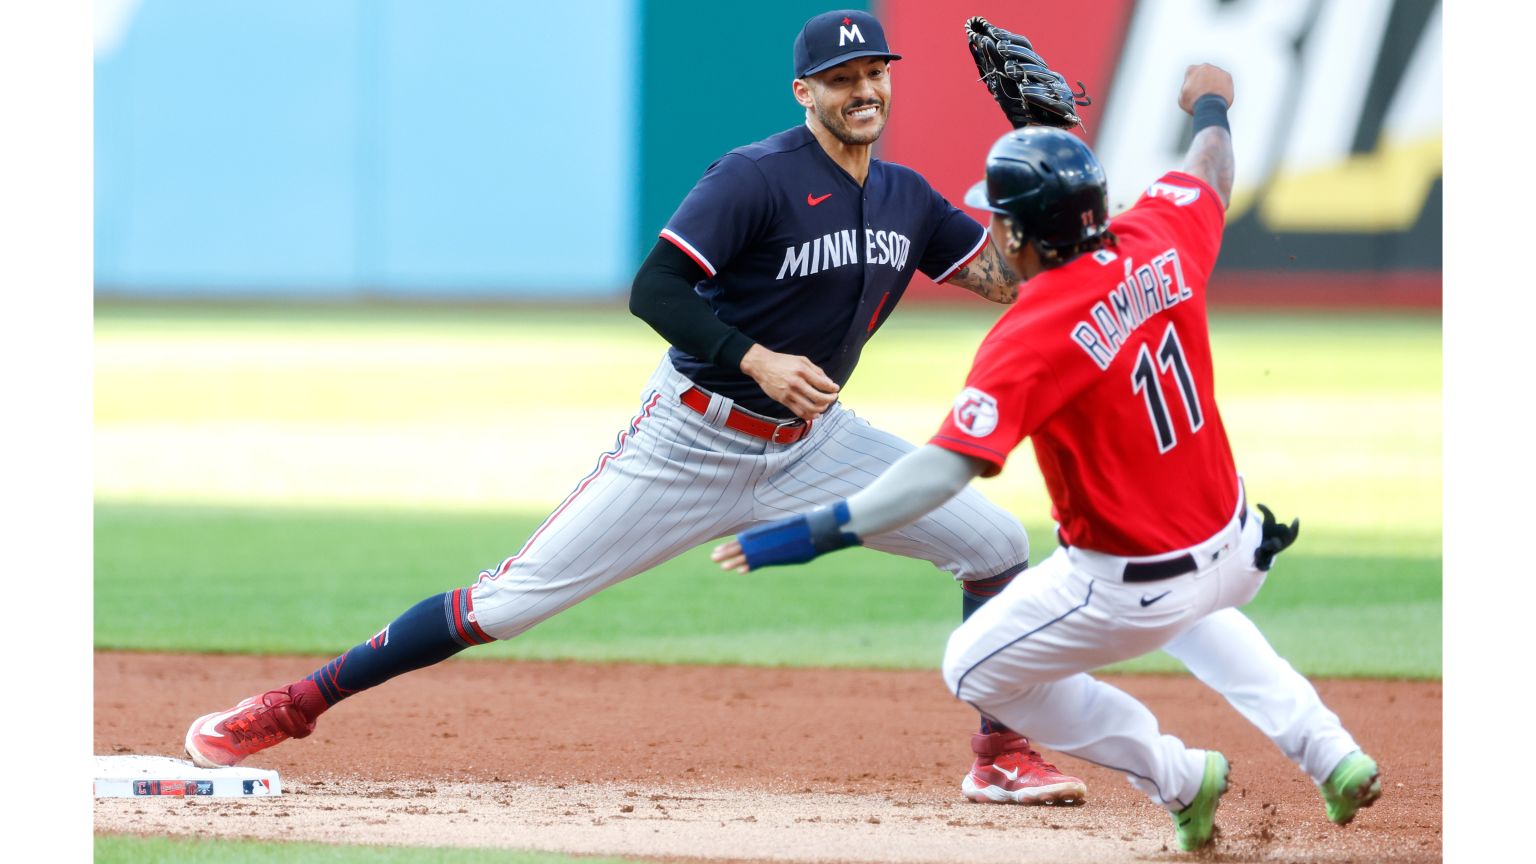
[841,248]
[1144,292]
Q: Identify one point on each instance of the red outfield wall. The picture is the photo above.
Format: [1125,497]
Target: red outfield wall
[1337,205]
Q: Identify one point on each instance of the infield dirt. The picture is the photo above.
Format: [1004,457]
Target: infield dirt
[736,764]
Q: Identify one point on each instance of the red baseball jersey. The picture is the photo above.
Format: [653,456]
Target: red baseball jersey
[1105,364]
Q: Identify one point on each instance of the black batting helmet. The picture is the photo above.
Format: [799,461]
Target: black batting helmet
[1051,186]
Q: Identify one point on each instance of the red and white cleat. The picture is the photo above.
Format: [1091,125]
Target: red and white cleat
[224,738]
[1009,771]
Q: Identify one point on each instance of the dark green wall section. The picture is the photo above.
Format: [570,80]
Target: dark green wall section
[713,77]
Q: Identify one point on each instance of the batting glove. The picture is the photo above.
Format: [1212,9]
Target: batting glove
[1277,538]
[797,539]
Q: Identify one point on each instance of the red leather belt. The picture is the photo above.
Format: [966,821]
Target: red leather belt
[787,432]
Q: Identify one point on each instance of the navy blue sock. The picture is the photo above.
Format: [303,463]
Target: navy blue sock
[429,632]
[974,595]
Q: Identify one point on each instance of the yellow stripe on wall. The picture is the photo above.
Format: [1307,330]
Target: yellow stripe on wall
[1375,192]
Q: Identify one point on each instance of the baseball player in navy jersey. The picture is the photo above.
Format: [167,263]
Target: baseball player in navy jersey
[1105,364]
[776,269]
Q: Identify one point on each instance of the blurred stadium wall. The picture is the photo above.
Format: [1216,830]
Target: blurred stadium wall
[489,149]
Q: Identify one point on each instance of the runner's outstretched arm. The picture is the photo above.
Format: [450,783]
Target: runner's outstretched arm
[916,484]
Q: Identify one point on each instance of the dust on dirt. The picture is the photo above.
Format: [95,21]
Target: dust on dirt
[738,764]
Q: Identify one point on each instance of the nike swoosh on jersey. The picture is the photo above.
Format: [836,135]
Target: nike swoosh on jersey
[1145,602]
[209,726]
[813,201]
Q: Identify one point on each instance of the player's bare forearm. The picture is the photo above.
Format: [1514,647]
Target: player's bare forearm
[1210,158]
[989,276]
[1206,95]
[791,380]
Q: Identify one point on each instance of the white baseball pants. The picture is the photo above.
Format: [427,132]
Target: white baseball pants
[1022,658]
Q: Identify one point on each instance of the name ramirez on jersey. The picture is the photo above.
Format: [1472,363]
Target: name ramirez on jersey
[1105,365]
[1145,291]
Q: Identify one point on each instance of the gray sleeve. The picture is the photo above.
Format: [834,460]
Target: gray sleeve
[917,483]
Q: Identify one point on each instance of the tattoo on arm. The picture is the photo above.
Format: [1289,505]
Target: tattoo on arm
[1210,159]
[989,276]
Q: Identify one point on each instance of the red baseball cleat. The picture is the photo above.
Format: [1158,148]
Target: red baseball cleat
[224,738]
[1009,771]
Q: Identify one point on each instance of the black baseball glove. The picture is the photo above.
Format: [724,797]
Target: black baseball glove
[1030,92]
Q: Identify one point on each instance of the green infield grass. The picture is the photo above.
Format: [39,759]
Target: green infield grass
[164,850]
[331,466]
[184,578]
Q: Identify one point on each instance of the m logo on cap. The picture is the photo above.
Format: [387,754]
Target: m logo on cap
[859,34]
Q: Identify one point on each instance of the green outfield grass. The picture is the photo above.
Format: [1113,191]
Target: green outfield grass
[287,481]
[164,850]
[279,581]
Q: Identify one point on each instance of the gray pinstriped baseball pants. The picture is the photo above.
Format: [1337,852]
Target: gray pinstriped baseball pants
[676,479]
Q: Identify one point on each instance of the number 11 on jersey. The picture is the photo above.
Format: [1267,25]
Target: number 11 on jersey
[1144,380]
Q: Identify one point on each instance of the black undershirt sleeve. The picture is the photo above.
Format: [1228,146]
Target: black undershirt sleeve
[663,297]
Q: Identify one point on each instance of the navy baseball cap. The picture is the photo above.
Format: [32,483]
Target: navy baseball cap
[834,37]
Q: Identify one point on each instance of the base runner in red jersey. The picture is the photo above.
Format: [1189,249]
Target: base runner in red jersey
[1105,364]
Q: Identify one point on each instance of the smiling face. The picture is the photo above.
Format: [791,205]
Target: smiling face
[851,100]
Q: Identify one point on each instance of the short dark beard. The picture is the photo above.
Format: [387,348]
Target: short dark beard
[839,129]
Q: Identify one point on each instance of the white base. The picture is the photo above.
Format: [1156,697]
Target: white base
[138,776]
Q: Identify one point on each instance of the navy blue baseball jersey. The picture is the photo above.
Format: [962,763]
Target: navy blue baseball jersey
[803,260]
